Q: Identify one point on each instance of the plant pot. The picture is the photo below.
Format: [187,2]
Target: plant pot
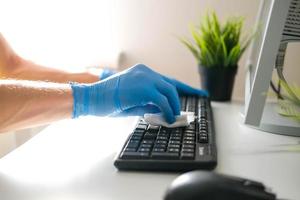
[218,81]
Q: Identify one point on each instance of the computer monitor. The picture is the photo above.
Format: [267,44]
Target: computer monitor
[277,24]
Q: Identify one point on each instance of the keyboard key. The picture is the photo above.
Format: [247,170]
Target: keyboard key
[150,136]
[158,149]
[203,128]
[174,142]
[191,127]
[176,135]
[142,121]
[177,131]
[146,145]
[187,156]
[183,103]
[153,128]
[163,135]
[136,137]
[204,123]
[203,139]
[139,131]
[202,120]
[189,131]
[144,149]
[141,127]
[161,142]
[173,150]
[188,142]
[175,138]
[190,106]
[203,135]
[147,141]
[189,138]
[188,146]
[164,146]
[164,130]
[174,145]
[130,149]
[189,135]
[133,144]
[162,138]
[202,150]
[138,134]
[135,155]
[165,155]
[203,132]
[184,150]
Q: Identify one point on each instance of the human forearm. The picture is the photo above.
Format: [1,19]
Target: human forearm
[13,66]
[27,70]
[29,103]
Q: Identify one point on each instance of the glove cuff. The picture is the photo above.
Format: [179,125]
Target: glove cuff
[80,99]
[110,98]
[99,99]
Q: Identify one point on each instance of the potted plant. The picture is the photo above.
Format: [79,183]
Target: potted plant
[217,49]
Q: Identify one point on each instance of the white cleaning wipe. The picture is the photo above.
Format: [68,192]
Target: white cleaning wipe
[184,119]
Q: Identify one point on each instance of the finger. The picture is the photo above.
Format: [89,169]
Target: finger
[185,89]
[162,102]
[169,91]
[139,110]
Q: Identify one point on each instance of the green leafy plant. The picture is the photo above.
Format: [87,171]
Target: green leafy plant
[289,106]
[216,45]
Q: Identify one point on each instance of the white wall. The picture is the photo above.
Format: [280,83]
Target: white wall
[148,28]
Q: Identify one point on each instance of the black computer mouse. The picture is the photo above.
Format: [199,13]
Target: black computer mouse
[204,185]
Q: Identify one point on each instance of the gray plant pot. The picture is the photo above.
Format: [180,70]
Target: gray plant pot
[218,81]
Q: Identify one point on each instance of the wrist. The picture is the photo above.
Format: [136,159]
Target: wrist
[84,77]
[98,99]
[80,97]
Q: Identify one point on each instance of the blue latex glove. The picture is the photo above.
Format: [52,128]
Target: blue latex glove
[135,91]
[106,72]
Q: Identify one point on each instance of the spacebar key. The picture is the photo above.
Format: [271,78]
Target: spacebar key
[134,155]
[165,155]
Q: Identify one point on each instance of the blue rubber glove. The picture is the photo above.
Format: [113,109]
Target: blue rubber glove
[135,91]
[106,72]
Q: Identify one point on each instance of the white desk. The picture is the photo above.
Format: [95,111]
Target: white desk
[73,159]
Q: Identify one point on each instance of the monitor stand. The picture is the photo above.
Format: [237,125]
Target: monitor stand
[274,123]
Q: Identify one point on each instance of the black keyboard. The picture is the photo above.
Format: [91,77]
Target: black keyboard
[159,148]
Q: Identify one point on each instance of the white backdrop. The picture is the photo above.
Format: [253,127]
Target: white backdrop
[72,34]
[68,34]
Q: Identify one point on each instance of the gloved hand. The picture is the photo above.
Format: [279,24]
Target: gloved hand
[106,72]
[135,91]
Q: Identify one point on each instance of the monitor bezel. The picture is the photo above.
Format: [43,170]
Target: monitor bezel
[256,90]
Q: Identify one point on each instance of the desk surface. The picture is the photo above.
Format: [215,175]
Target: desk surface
[73,159]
